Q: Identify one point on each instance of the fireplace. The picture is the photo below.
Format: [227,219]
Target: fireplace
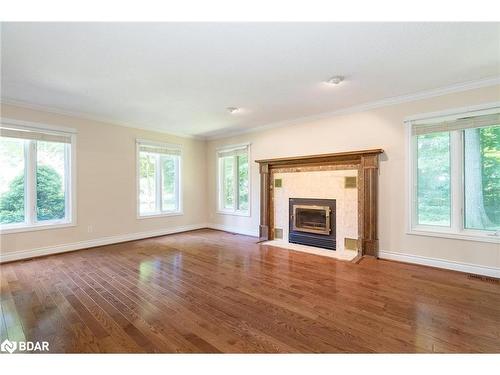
[365,161]
[312,222]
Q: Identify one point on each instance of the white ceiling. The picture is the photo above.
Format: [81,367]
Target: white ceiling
[180,77]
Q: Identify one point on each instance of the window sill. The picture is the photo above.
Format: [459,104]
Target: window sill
[32,228]
[479,237]
[234,213]
[160,214]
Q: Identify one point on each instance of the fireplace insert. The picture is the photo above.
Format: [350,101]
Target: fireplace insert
[312,222]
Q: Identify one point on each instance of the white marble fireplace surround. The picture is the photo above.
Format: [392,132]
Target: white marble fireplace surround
[321,184]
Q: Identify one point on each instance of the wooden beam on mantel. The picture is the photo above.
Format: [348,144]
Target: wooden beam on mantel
[366,161]
[314,158]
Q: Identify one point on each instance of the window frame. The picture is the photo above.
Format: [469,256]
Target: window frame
[220,186]
[457,229]
[30,159]
[158,180]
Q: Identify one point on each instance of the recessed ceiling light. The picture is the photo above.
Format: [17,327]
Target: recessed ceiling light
[233,110]
[335,80]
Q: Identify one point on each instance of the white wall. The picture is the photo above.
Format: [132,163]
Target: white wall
[106,188]
[378,128]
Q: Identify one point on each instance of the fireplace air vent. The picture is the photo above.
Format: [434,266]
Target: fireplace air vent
[278,233]
[483,278]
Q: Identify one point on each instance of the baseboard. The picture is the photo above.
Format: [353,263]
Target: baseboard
[226,228]
[441,263]
[49,250]
[416,259]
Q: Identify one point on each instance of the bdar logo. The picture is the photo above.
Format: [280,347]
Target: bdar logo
[8,346]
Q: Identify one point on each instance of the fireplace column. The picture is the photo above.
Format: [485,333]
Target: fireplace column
[264,201]
[369,236]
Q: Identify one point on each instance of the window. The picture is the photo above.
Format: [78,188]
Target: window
[36,179]
[433,179]
[233,180]
[158,167]
[482,178]
[455,179]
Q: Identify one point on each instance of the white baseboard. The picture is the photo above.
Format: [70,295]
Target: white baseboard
[441,263]
[416,259]
[226,228]
[49,250]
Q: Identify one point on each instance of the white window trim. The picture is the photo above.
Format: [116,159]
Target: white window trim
[219,209]
[456,229]
[157,214]
[70,198]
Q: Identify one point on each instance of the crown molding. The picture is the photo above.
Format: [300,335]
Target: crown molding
[455,88]
[86,116]
[227,133]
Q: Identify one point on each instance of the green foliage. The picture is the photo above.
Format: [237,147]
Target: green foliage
[243,182]
[50,197]
[12,202]
[433,194]
[168,182]
[148,162]
[235,168]
[490,156]
[147,165]
[228,165]
[147,184]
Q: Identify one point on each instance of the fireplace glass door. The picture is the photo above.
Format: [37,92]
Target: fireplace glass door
[312,219]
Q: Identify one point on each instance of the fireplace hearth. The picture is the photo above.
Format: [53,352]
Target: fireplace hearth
[312,222]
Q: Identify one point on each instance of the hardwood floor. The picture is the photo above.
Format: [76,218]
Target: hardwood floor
[210,291]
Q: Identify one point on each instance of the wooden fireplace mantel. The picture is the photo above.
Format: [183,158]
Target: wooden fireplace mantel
[365,161]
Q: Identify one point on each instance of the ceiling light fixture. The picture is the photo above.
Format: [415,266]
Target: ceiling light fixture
[233,110]
[335,80]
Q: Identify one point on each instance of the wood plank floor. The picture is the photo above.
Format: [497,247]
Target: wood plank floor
[210,291]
